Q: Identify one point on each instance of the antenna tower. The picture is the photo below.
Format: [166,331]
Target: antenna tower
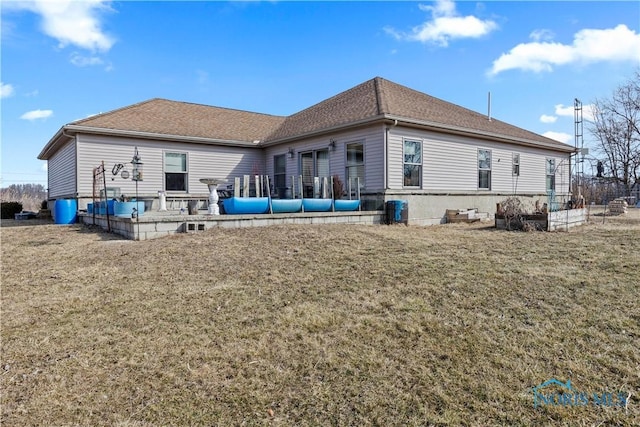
[579,143]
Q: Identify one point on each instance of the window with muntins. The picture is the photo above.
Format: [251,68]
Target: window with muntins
[551,174]
[412,162]
[355,163]
[280,172]
[175,171]
[516,164]
[313,164]
[484,169]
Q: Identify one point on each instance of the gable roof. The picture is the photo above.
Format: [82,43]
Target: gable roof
[375,100]
[165,117]
[379,98]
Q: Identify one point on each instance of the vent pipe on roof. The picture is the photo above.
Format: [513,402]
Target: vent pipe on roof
[489,106]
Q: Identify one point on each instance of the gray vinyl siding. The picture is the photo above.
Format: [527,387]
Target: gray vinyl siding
[372,139]
[450,164]
[61,169]
[203,161]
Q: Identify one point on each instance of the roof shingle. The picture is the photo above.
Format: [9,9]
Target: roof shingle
[374,99]
[165,117]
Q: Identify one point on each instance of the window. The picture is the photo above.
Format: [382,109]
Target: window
[355,163]
[314,164]
[484,169]
[412,163]
[516,164]
[551,174]
[175,171]
[280,172]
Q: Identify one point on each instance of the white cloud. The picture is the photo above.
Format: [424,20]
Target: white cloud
[6,90]
[36,114]
[44,167]
[445,24]
[72,22]
[589,45]
[559,136]
[85,61]
[548,119]
[541,35]
[569,111]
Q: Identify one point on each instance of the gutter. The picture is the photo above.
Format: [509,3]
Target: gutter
[159,136]
[324,130]
[486,135]
[428,125]
[53,142]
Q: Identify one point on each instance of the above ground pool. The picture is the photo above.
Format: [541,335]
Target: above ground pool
[286,205]
[246,205]
[346,205]
[317,205]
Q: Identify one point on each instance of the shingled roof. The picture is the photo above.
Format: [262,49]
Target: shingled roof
[377,99]
[165,117]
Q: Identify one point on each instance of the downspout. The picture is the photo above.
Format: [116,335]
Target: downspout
[386,155]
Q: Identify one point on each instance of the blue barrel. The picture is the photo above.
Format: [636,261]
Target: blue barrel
[66,211]
[397,212]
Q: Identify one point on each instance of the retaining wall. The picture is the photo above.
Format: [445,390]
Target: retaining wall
[152,227]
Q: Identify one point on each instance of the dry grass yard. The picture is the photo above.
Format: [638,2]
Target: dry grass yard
[319,325]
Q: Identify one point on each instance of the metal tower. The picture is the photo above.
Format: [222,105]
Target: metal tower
[579,144]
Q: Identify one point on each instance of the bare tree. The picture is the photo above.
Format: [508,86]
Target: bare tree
[616,127]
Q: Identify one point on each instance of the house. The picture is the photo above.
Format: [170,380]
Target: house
[399,142]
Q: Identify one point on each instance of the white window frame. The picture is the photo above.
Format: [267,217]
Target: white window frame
[550,174]
[308,185]
[418,164]
[185,173]
[276,173]
[515,162]
[485,169]
[356,165]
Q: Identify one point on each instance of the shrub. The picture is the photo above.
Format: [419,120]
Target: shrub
[9,209]
[513,211]
[338,187]
[44,205]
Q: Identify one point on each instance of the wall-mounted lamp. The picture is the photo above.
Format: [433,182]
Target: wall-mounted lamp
[332,144]
[290,153]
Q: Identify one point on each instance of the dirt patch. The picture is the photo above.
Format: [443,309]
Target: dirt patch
[318,325]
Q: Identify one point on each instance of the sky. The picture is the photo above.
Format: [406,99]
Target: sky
[63,61]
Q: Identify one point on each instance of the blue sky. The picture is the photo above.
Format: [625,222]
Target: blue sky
[66,60]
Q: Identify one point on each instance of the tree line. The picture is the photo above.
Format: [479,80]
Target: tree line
[616,129]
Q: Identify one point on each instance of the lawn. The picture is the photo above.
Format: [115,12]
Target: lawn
[321,325]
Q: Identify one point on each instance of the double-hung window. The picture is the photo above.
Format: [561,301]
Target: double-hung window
[355,163]
[551,174]
[412,161]
[280,172]
[175,171]
[516,164]
[484,169]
